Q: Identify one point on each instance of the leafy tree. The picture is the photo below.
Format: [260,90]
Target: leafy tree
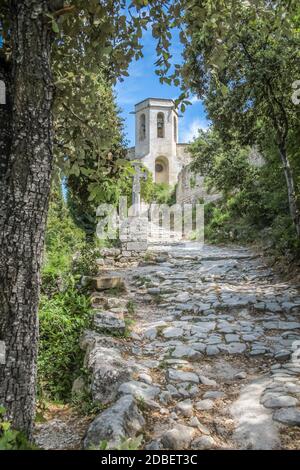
[226,165]
[29,31]
[243,57]
[254,205]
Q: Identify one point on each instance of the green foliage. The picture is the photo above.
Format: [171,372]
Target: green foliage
[85,263]
[63,240]
[242,58]
[64,311]
[226,165]
[254,206]
[62,320]
[131,307]
[164,194]
[11,439]
[85,405]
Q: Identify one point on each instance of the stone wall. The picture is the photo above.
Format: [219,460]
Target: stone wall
[133,236]
[191,188]
[183,155]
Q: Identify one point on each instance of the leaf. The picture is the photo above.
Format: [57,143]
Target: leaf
[224,90]
[55,27]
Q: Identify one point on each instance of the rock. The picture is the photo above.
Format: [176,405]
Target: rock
[153,445]
[194,422]
[122,420]
[185,408]
[112,281]
[240,375]
[212,350]
[151,333]
[172,390]
[186,390]
[108,371]
[145,378]
[110,252]
[113,302]
[288,416]
[250,337]
[235,348]
[174,375]
[281,325]
[214,339]
[172,332]
[199,347]
[109,322]
[166,397]
[139,390]
[185,351]
[229,338]
[209,382]
[253,425]
[204,443]
[56,435]
[203,307]
[203,327]
[273,307]
[282,401]
[184,297]
[79,386]
[204,405]
[135,336]
[282,355]
[178,438]
[257,351]
[213,395]
[153,290]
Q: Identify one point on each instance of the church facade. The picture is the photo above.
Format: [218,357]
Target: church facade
[158,149]
[156,140]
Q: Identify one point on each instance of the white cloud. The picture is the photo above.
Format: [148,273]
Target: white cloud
[194,99]
[191,132]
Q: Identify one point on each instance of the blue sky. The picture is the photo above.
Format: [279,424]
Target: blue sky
[143,83]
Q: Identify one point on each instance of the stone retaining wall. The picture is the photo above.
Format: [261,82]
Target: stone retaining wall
[191,188]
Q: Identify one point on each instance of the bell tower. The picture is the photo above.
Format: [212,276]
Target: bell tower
[156,138]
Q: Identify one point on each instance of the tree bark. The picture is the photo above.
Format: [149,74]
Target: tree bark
[5,118]
[293,206]
[24,194]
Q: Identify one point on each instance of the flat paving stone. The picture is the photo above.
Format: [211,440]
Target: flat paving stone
[288,416]
[181,376]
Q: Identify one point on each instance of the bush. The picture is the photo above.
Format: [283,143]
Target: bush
[63,239]
[62,320]
[11,439]
[164,194]
[84,264]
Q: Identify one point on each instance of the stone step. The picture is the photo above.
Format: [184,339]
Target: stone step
[109,322]
[104,282]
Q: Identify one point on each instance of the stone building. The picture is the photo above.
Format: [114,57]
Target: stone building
[156,140]
[157,147]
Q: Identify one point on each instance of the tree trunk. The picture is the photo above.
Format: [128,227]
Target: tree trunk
[24,195]
[5,118]
[293,206]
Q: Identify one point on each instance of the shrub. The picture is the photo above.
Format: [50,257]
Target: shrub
[84,263]
[11,439]
[164,194]
[62,320]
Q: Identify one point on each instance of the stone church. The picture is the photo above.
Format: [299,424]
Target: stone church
[158,149]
